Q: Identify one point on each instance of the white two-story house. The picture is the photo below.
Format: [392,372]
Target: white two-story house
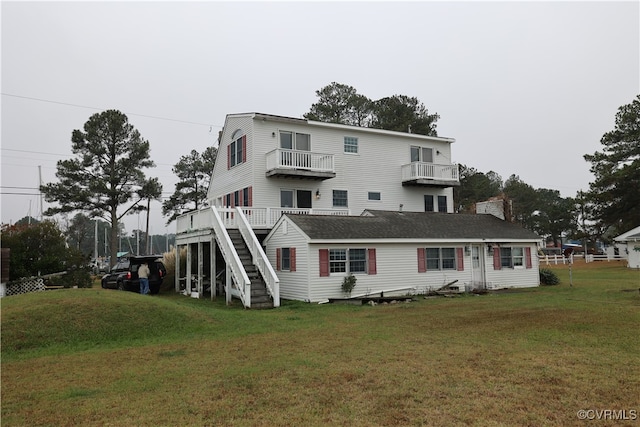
[270,165]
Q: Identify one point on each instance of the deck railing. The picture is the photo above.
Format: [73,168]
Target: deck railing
[238,274]
[421,170]
[294,159]
[256,217]
[259,258]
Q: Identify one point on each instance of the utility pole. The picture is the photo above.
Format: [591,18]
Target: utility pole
[95,242]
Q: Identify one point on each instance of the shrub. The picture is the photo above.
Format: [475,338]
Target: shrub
[348,283]
[548,277]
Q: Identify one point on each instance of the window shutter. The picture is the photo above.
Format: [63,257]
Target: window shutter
[372,261]
[250,201]
[292,259]
[497,265]
[527,252]
[422,260]
[240,196]
[460,256]
[324,262]
[228,157]
[278,258]
[244,148]
[233,200]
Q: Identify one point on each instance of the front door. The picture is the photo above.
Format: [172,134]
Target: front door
[477,266]
[300,199]
[303,199]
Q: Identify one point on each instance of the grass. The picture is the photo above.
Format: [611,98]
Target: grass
[532,357]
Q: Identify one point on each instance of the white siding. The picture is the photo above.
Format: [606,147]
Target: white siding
[633,256]
[519,277]
[376,167]
[294,285]
[225,181]
[397,269]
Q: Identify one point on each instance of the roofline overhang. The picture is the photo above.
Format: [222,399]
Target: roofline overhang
[417,240]
[381,131]
[294,120]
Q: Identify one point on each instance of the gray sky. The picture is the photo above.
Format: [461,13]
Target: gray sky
[525,88]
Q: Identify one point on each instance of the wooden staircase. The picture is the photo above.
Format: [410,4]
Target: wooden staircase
[260,298]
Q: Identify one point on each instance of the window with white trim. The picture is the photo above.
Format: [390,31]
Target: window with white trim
[512,257]
[352,261]
[442,204]
[350,145]
[295,141]
[340,198]
[421,154]
[441,258]
[235,152]
[374,195]
[285,259]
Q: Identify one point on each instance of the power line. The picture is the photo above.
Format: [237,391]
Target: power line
[68,104]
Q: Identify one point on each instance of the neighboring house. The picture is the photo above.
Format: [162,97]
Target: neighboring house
[399,253]
[631,244]
[270,165]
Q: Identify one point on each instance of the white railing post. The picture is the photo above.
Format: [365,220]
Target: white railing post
[259,258]
[232,259]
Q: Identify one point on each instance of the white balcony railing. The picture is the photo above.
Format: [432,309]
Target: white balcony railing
[294,159]
[421,170]
[256,217]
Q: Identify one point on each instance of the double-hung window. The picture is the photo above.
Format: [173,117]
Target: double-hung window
[337,260]
[511,257]
[350,144]
[441,258]
[347,260]
[236,151]
[286,259]
[340,198]
[350,260]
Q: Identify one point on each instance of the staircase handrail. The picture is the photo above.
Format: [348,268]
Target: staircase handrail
[259,257]
[230,255]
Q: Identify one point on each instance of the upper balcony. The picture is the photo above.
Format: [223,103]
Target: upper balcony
[430,174]
[300,164]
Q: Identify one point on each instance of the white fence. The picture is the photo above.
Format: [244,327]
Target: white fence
[561,259]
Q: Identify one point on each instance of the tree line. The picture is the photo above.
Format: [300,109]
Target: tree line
[107,178]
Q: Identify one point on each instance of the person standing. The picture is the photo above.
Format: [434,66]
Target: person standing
[143,275]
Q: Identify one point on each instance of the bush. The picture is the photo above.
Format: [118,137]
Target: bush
[548,277]
[348,283]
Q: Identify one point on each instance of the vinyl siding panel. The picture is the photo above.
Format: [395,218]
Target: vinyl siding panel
[240,176]
[293,284]
[397,269]
[518,277]
[376,167]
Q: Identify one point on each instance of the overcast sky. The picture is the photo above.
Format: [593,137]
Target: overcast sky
[525,88]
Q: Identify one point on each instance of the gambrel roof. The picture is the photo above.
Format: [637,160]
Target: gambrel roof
[393,225]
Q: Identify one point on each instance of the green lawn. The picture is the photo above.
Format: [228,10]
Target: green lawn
[532,357]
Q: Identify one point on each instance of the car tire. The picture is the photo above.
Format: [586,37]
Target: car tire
[121,286]
[104,284]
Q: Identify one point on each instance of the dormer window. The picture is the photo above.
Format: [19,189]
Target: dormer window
[421,154]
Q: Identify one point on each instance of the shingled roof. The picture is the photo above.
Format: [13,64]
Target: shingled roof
[375,224]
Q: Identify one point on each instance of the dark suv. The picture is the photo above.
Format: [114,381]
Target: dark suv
[124,275]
